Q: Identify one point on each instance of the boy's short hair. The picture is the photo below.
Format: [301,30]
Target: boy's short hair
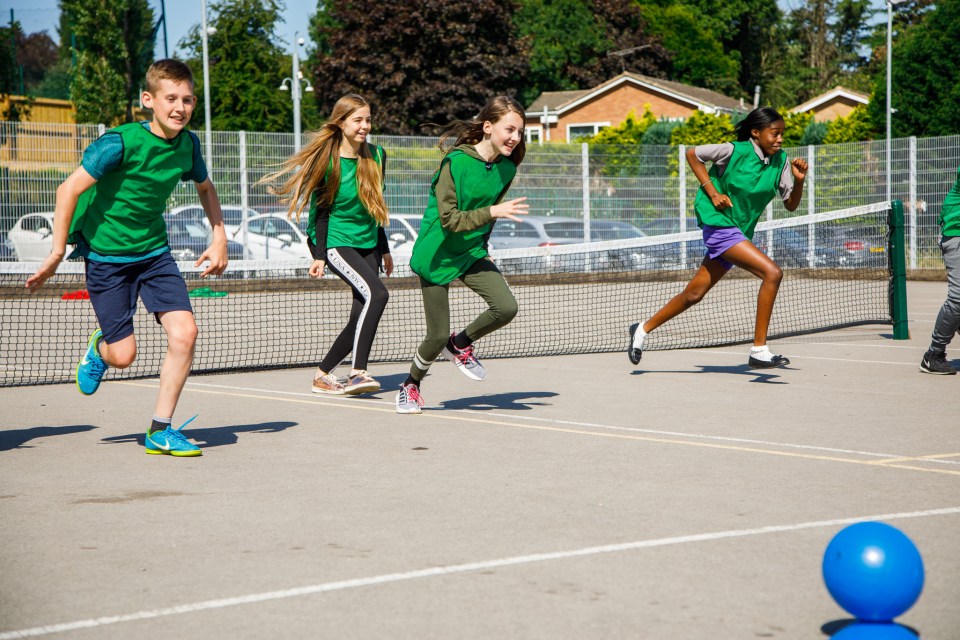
[168,69]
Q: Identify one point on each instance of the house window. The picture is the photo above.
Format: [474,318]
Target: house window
[578,131]
[533,134]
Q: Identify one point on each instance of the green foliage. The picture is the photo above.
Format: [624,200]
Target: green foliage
[424,62]
[247,66]
[659,132]
[630,131]
[795,124]
[114,48]
[854,128]
[814,133]
[698,57]
[571,42]
[925,77]
[617,147]
[703,128]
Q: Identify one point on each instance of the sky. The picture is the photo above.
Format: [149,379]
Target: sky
[39,15]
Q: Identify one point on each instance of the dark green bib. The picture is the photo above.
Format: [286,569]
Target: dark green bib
[749,183]
[440,256]
[950,214]
[122,213]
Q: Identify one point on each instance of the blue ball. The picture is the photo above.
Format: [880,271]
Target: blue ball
[873,571]
[874,631]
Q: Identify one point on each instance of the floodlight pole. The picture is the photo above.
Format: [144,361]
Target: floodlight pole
[890,4]
[293,83]
[206,87]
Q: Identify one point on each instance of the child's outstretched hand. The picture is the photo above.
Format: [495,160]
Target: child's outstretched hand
[216,253]
[44,273]
[510,209]
[799,168]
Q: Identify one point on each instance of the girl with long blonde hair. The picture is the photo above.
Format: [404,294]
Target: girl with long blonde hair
[339,176]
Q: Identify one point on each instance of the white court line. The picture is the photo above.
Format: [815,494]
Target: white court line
[456,569]
[594,425]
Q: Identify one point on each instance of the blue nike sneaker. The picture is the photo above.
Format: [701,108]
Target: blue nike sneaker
[91,367]
[172,442]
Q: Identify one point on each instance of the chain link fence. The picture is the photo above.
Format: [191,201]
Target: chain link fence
[647,186]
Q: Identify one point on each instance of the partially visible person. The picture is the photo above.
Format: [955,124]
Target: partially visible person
[948,319]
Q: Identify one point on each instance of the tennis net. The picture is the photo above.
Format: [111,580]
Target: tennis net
[576,298]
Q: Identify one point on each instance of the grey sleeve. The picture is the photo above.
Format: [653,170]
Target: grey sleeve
[785,187]
[718,154]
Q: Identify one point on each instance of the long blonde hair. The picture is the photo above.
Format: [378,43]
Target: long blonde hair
[319,165]
[471,131]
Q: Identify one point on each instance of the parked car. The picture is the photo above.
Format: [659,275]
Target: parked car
[189,238]
[232,215]
[853,247]
[601,230]
[536,231]
[662,226]
[7,252]
[272,236]
[32,236]
[402,232]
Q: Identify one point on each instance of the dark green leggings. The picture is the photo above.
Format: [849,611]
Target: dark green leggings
[484,279]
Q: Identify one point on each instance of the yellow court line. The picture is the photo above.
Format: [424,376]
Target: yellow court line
[619,436]
[935,456]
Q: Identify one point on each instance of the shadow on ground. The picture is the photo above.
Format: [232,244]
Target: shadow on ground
[17,438]
[835,626]
[212,437]
[740,369]
[515,401]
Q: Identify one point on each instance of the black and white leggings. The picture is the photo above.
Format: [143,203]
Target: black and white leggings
[359,268]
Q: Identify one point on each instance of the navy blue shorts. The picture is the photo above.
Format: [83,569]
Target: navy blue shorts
[114,288]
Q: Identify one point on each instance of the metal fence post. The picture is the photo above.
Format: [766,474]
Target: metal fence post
[913,202]
[244,193]
[811,183]
[682,176]
[585,176]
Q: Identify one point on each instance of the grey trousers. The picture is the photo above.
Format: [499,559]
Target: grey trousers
[948,320]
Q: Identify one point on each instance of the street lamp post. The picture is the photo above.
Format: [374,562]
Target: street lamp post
[890,4]
[293,84]
[206,86]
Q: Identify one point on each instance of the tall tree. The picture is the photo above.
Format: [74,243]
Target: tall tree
[37,52]
[925,80]
[114,48]
[247,65]
[425,61]
[698,57]
[9,69]
[576,44]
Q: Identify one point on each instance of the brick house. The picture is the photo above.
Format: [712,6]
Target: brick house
[564,116]
[836,103]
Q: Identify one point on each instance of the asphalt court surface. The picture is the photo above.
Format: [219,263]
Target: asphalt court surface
[563,497]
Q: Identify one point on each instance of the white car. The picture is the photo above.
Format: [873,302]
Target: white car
[402,232]
[32,237]
[232,215]
[271,236]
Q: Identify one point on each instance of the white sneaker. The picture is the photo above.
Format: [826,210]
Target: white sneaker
[465,360]
[409,399]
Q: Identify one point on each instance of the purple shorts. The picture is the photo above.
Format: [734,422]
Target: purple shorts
[719,239]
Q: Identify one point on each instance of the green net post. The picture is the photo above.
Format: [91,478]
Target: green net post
[898,273]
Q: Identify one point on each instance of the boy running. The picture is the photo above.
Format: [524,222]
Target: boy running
[112,208]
